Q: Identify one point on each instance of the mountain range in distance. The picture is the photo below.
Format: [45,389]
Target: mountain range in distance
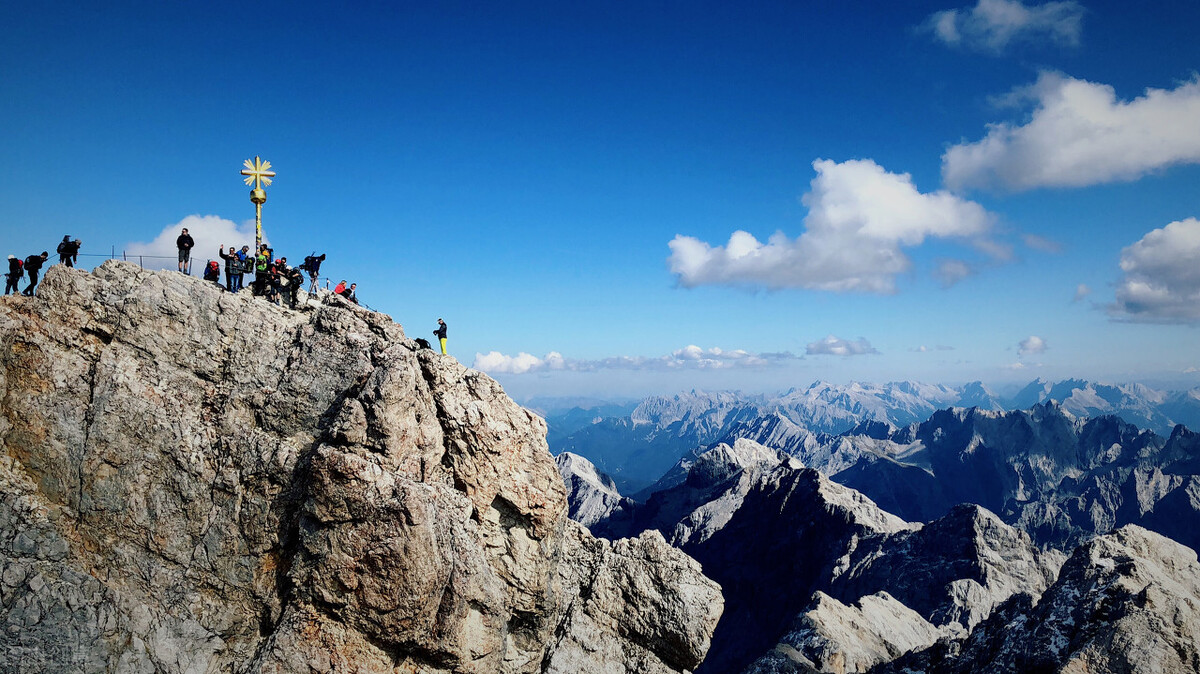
[636,444]
[976,540]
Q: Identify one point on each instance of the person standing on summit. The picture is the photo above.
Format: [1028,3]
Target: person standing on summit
[233,269]
[68,251]
[184,243]
[440,333]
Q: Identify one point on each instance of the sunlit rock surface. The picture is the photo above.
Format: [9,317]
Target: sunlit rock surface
[196,481]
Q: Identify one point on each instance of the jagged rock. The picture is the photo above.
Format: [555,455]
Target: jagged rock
[646,591]
[713,490]
[594,499]
[954,571]
[770,531]
[1128,601]
[791,547]
[834,637]
[198,481]
[1060,478]
[911,587]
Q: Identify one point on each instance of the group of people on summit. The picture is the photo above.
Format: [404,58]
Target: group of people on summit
[68,253]
[274,279]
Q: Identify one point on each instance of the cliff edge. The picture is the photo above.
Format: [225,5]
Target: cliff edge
[197,481]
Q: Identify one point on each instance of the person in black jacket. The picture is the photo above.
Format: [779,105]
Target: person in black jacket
[33,264]
[233,269]
[295,279]
[441,335]
[312,265]
[68,251]
[184,243]
[13,277]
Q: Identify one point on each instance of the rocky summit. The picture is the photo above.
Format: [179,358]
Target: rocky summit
[197,481]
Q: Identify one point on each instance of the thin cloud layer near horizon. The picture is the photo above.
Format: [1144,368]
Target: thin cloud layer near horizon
[931,191]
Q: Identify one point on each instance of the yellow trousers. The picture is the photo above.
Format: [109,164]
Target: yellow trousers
[442,341]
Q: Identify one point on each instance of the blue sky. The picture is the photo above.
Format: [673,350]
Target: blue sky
[989,190]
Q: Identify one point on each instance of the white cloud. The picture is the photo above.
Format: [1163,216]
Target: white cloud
[926,349]
[1041,243]
[208,231]
[1031,344]
[1081,292]
[992,24]
[950,272]
[836,346]
[690,357]
[1161,281]
[1080,134]
[860,218]
[499,363]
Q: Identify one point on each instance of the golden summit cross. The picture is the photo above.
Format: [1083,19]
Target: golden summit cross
[259,173]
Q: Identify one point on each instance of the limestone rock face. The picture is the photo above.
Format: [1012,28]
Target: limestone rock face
[593,497]
[1128,601]
[196,481]
[953,571]
[834,637]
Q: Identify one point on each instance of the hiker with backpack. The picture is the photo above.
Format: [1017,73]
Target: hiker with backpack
[312,265]
[184,243]
[33,264]
[262,262]
[212,272]
[245,265]
[16,269]
[281,279]
[295,280]
[441,335]
[68,251]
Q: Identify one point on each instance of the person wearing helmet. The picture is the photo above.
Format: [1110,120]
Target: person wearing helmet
[16,269]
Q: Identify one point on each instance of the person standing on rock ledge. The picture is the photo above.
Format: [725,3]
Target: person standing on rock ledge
[184,243]
[233,269]
[68,251]
[13,278]
[33,264]
[441,335]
